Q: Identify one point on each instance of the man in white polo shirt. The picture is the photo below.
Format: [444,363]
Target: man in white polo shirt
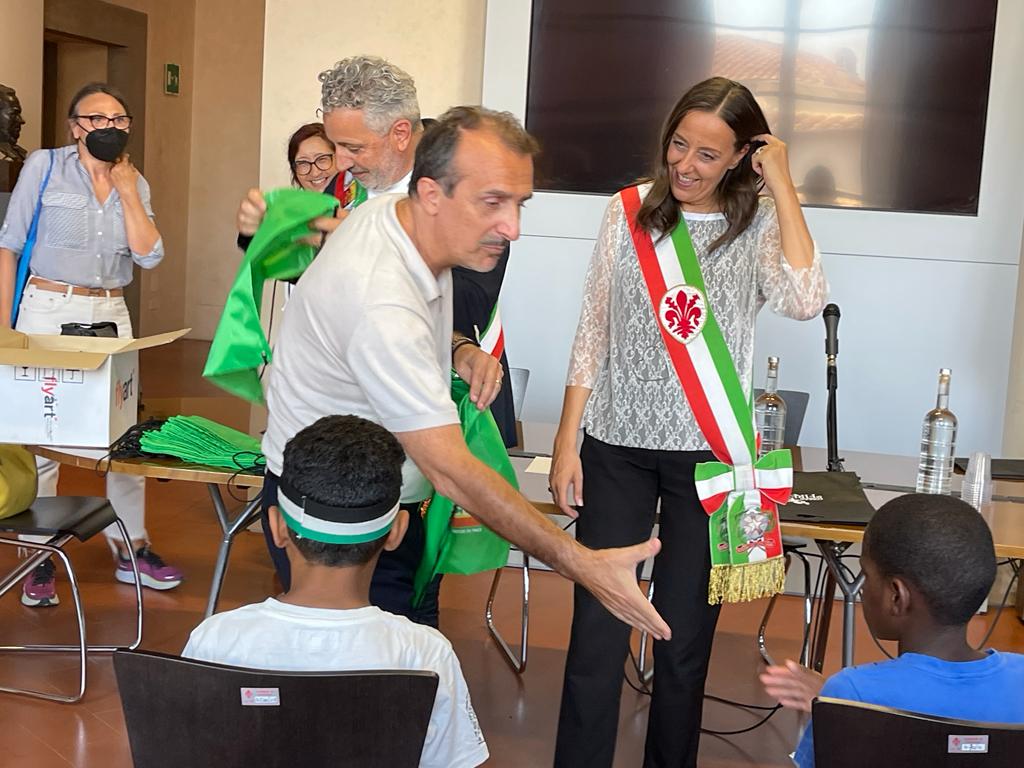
[368,332]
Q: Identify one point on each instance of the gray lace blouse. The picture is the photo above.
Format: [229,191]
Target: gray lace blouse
[618,351]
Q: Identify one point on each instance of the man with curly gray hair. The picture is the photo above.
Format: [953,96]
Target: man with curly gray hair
[373,117]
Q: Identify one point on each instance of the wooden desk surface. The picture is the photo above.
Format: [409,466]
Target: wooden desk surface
[158,469]
[1006,519]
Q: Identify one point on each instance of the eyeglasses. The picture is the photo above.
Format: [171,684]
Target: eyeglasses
[305,167]
[121,122]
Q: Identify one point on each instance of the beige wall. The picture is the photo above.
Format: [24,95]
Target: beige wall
[439,43]
[225,149]
[77,64]
[170,38]
[21,62]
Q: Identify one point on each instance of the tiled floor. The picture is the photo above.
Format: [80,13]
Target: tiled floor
[518,715]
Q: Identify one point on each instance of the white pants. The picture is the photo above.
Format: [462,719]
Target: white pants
[43,312]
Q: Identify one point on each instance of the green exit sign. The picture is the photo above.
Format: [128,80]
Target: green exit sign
[172,79]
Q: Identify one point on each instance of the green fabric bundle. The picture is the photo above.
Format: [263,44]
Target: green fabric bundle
[455,542]
[240,347]
[201,441]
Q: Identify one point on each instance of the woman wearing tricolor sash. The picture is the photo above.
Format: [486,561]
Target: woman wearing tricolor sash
[660,381]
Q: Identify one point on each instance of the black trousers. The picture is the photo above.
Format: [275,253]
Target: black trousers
[622,487]
[392,584]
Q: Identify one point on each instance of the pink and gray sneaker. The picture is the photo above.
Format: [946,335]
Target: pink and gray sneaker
[39,589]
[156,574]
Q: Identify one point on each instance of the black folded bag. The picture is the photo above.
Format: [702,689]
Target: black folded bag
[827,497]
[105,329]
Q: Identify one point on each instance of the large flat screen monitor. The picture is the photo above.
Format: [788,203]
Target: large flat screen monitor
[882,102]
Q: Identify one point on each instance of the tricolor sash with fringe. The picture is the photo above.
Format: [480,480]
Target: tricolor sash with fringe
[739,492]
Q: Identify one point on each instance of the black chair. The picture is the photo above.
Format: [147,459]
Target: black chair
[183,713]
[853,735]
[64,518]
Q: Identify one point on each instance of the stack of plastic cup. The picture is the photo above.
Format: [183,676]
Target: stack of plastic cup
[977,486]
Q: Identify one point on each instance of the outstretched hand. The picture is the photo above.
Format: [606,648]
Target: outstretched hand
[610,576]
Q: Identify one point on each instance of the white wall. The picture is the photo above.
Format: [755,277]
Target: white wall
[917,292]
[439,44]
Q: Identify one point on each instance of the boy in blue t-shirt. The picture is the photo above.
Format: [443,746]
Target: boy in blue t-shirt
[928,563]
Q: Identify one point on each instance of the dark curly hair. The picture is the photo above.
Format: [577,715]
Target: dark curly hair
[739,188]
[343,461]
[939,544]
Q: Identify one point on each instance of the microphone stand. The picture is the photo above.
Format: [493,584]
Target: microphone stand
[835,464]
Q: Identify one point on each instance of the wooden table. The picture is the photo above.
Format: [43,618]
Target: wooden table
[884,477]
[174,469]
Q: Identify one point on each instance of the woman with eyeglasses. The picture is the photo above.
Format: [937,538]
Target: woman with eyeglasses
[311,160]
[95,224]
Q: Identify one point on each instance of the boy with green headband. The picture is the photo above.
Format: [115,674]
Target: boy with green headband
[338,511]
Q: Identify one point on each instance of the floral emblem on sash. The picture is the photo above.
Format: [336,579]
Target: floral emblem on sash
[683,312]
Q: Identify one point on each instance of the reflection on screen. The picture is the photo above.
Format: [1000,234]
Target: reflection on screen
[882,102]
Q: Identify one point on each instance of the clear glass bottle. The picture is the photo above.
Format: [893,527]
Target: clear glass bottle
[770,411]
[938,443]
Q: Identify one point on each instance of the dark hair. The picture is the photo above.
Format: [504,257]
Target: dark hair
[343,461]
[91,89]
[939,544]
[307,131]
[436,150]
[738,189]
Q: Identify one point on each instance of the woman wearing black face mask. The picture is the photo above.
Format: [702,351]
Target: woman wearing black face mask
[95,222]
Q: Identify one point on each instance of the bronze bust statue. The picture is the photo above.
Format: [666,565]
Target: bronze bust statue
[10,125]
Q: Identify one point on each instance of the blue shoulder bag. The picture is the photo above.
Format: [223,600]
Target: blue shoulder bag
[21,277]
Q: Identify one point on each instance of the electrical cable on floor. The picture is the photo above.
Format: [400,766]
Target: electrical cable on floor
[756,725]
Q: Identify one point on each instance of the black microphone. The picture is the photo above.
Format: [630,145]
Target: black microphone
[831,316]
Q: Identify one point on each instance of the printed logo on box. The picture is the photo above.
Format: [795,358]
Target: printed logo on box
[972,744]
[261,697]
[23,373]
[72,376]
[123,390]
[49,390]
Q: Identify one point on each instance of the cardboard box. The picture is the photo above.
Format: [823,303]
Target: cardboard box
[70,390]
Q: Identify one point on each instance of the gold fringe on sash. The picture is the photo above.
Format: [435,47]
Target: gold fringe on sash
[750,581]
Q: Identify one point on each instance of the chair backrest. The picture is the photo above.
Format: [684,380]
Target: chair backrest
[520,378]
[182,713]
[796,408]
[853,735]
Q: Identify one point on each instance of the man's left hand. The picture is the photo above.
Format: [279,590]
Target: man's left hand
[482,371]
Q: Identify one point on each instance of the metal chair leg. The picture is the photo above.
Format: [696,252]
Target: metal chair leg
[50,549]
[643,673]
[762,647]
[805,645]
[518,663]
